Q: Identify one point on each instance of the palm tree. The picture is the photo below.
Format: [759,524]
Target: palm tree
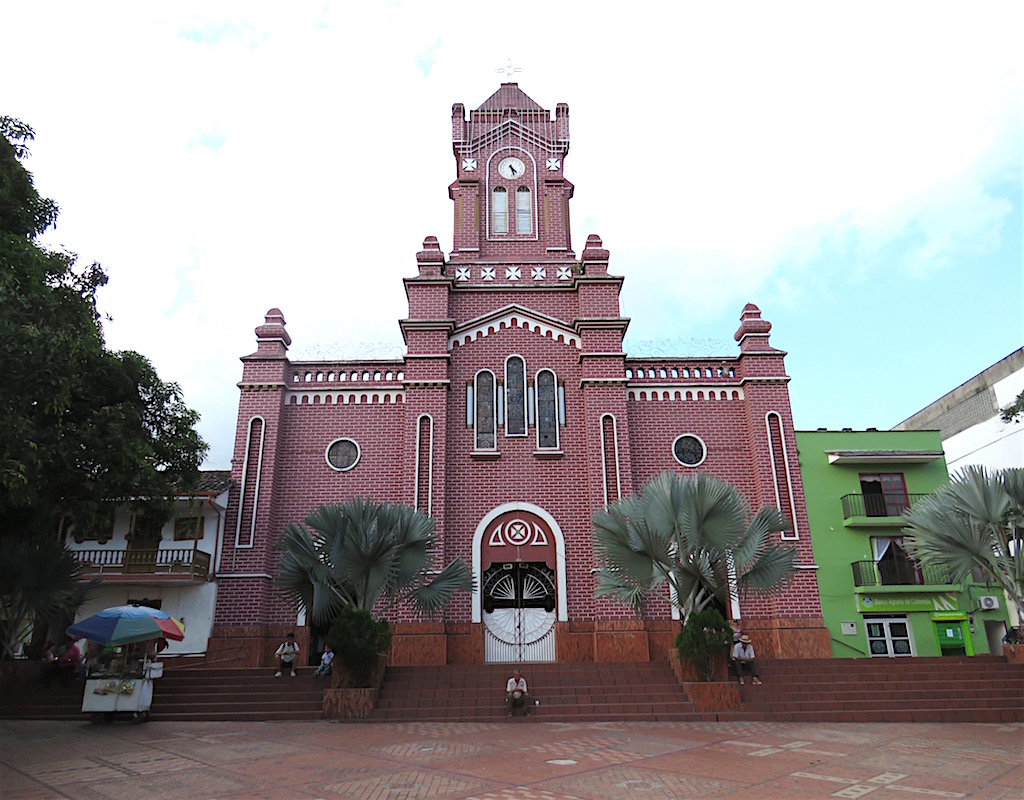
[39,586]
[974,522]
[692,533]
[363,552]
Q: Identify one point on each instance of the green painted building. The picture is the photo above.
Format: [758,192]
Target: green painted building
[875,599]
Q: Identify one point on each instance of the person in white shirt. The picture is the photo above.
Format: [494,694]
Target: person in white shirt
[515,693]
[287,653]
[325,663]
[743,655]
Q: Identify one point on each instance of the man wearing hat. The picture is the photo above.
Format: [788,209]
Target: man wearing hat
[743,655]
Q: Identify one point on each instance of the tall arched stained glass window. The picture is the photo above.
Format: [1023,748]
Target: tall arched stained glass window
[515,396]
[524,211]
[499,211]
[547,410]
[484,417]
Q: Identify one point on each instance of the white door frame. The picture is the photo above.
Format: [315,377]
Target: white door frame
[561,608]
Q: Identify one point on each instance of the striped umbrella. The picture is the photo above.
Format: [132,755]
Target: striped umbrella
[126,624]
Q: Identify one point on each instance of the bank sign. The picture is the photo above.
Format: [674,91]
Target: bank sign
[885,603]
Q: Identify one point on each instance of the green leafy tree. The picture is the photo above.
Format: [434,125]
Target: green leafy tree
[1013,412]
[975,522]
[694,534]
[703,638]
[363,553]
[82,428]
[357,640]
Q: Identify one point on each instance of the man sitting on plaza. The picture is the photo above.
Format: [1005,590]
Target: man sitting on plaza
[515,693]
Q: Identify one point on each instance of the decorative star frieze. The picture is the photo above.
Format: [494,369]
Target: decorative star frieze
[462,274]
[513,273]
[554,164]
[469,164]
[487,273]
[538,273]
[564,273]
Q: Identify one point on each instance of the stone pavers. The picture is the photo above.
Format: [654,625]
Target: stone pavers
[515,761]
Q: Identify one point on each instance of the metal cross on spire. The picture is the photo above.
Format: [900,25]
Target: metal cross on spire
[509,70]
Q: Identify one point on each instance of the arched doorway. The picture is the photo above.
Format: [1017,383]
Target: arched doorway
[519,586]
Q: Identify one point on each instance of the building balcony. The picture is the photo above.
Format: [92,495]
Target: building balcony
[877,510]
[895,574]
[170,565]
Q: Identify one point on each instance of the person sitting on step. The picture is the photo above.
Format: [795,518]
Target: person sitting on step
[516,695]
[743,655]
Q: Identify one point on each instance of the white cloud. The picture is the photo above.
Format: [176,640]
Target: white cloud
[223,159]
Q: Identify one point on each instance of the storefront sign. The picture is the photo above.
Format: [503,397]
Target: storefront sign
[886,603]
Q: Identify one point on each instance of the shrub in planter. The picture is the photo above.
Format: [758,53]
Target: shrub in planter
[357,639]
[704,636]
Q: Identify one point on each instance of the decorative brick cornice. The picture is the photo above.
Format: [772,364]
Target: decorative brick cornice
[665,392]
[262,386]
[766,381]
[435,384]
[603,382]
[347,397]
[600,323]
[524,318]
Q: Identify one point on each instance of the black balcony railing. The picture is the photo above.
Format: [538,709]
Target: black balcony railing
[879,505]
[897,573]
[183,563]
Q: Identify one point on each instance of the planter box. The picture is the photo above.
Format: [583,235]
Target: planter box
[349,703]
[688,673]
[343,702]
[715,696]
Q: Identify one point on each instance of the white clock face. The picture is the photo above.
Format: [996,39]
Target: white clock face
[511,168]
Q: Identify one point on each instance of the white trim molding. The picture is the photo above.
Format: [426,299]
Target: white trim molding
[562,612]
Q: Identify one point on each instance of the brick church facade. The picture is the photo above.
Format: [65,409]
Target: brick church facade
[514,415]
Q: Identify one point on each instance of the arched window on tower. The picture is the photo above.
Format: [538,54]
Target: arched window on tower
[499,211]
[524,210]
[547,410]
[483,423]
[515,396]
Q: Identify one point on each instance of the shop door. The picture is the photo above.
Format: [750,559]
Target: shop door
[519,612]
[889,638]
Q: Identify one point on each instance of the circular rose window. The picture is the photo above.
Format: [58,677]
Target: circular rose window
[343,454]
[689,450]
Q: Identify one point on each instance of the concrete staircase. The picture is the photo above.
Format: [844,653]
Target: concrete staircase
[646,691]
[190,694]
[979,689]
[949,689]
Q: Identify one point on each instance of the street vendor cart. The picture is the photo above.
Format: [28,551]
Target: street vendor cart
[123,681]
[131,691]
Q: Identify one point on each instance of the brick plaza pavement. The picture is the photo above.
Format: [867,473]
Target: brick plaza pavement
[521,760]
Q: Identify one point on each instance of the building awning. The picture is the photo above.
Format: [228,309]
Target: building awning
[883,456]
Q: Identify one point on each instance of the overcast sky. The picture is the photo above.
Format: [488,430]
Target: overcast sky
[854,169]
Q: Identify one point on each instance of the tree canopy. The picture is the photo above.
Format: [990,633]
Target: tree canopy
[693,533]
[82,428]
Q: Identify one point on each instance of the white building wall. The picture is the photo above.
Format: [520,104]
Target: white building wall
[992,443]
[192,605]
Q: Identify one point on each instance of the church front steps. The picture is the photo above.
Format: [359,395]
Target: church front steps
[643,691]
[951,689]
[980,689]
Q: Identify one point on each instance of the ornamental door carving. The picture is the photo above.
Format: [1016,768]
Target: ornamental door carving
[518,589]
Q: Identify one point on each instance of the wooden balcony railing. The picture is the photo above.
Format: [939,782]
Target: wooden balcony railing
[184,563]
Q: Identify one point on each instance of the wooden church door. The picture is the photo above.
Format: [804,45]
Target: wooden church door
[518,589]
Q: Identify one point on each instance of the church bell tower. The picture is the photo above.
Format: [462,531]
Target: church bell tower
[511,196]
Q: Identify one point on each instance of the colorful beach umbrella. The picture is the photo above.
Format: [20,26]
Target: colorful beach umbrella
[126,624]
